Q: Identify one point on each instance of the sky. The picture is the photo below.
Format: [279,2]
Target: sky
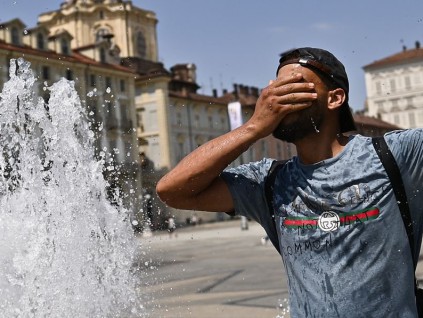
[239,41]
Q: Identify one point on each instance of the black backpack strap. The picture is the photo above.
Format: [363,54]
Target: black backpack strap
[268,189]
[394,174]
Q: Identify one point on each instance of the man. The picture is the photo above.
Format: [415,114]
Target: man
[359,268]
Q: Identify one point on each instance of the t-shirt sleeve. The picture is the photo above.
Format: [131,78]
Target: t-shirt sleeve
[407,148]
[246,184]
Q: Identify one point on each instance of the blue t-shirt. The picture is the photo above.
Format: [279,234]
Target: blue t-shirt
[341,235]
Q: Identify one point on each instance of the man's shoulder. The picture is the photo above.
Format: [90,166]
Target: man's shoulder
[403,134]
[256,167]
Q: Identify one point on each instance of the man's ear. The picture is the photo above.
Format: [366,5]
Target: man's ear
[336,98]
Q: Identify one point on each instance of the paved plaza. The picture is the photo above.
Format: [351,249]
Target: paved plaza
[214,270]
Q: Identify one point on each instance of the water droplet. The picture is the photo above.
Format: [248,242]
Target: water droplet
[314,125]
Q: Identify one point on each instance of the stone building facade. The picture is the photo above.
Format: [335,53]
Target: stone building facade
[394,88]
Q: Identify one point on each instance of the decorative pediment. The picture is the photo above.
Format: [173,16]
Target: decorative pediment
[37,37]
[61,42]
[12,31]
[61,34]
[13,23]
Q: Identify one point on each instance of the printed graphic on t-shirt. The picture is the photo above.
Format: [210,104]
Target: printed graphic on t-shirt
[330,221]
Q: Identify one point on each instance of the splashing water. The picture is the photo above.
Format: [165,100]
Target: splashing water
[282,308]
[65,251]
[314,125]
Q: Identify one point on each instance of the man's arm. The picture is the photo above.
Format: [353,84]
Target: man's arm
[195,184]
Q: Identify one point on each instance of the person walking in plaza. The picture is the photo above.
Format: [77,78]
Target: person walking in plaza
[339,228]
[171,226]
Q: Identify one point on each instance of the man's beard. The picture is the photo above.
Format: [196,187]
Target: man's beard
[308,122]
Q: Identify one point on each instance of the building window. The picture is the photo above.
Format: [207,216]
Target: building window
[396,119]
[93,80]
[178,119]
[279,149]
[102,55]
[139,121]
[180,151]
[393,85]
[210,118]
[40,41]
[124,114]
[108,82]
[263,148]
[379,107]
[289,151]
[181,143]
[407,82]
[93,112]
[197,121]
[122,85]
[64,46]
[411,119]
[15,36]
[222,123]
[394,105]
[46,72]
[101,33]
[69,75]
[141,45]
[420,114]
[409,101]
[101,15]
[110,109]
[378,87]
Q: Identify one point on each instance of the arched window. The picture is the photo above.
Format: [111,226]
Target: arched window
[15,36]
[141,45]
[102,55]
[99,36]
[40,41]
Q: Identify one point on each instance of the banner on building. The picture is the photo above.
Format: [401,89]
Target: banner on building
[235,115]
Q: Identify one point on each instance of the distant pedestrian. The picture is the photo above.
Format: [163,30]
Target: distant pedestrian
[244,223]
[171,226]
[194,219]
[264,240]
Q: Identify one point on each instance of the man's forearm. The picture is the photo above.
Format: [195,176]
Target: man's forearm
[199,169]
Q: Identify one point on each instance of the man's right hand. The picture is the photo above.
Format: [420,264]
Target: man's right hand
[282,97]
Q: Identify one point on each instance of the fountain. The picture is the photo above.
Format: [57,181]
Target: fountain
[65,251]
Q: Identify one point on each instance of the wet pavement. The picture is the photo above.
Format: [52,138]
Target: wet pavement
[214,270]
